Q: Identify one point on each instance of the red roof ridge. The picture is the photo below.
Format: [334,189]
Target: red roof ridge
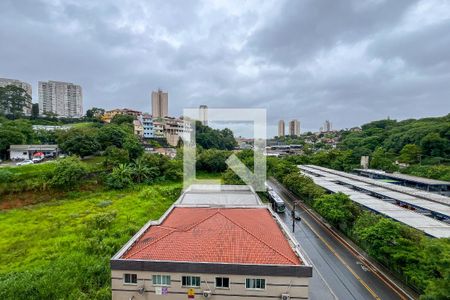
[201,221]
[267,245]
[172,230]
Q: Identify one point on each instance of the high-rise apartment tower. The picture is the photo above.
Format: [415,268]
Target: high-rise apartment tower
[281,128]
[203,114]
[294,128]
[62,98]
[327,126]
[160,104]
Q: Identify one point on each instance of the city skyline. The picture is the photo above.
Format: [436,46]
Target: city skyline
[358,71]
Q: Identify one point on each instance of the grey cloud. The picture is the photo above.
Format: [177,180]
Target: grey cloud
[426,49]
[304,27]
[311,60]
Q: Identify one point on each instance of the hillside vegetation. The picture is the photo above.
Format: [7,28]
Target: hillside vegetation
[423,142]
[61,249]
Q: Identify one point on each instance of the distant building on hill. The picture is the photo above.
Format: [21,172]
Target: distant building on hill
[294,128]
[203,114]
[138,128]
[172,129]
[108,115]
[327,126]
[147,123]
[160,104]
[281,128]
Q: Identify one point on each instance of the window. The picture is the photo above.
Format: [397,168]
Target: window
[161,280]
[190,281]
[130,278]
[255,283]
[222,282]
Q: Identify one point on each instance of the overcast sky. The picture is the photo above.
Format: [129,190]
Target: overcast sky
[347,61]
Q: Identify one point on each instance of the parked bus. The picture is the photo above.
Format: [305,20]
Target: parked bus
[277,202]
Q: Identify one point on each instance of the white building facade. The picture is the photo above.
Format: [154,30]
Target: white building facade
[62,98]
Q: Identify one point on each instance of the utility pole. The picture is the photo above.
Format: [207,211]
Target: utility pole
[293,217]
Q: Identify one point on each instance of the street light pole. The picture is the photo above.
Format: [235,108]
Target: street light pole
[293,217]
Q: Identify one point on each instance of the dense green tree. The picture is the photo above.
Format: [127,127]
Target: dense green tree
[212,160]
[381,160]
[35,110]
[279,168]
[8,138]
[302,186]
[410,153]
[42,136]
[112,135]
[20,125]
[79,141]
[115,156]
[95,113]
[433,144]
[436,265]
[68,173]
[13,101]
[381,124]
[338,209]
[134,147]
[431,134]
[209,138]
[120,119]
[229,177]
[155,160]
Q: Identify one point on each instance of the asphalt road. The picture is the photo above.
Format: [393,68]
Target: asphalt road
[337,272]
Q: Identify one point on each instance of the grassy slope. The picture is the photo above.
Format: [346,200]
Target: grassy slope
[90,226]
[24,185]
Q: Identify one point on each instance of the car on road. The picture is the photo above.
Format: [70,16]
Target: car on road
[37,160]
[25,162]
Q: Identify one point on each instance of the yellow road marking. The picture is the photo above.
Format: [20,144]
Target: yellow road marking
[374,271]
[342,261]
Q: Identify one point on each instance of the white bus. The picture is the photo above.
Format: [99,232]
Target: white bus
[277,202]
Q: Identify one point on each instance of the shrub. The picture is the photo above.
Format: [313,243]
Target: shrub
[6,176]
[115,156]
[213,160]
[338,209]
[120,177]
[68,173]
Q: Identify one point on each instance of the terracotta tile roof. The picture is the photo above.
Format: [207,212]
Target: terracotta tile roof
[225,235]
